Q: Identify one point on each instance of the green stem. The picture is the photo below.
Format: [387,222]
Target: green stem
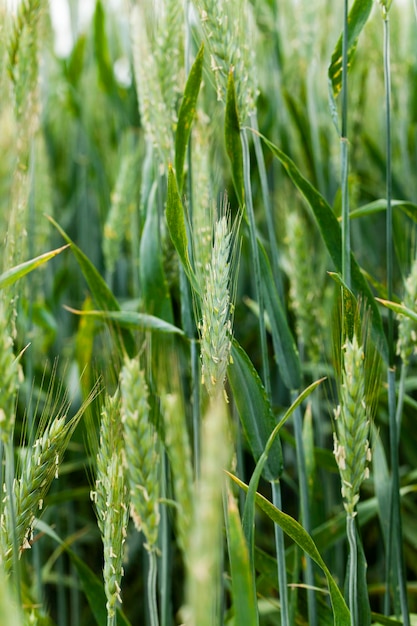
[395,556]
[165,573]
[344,148]
[280,551]
[151,589]
[395,545]
[305,510]
[401,395]
[389,232]
[353,570]
[195,352]
[255,260]
[9,476]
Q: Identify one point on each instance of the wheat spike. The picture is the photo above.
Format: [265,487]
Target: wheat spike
[228,29]
[111,499]
[216,307]
[141,449]
[407,327]
[179,452]
[351,439]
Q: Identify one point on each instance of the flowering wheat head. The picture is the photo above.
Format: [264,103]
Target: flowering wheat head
[111,498]
[154,113]
[407,327]
[228,28]
[179,453]
[216,307]
[141,450]
[351,438]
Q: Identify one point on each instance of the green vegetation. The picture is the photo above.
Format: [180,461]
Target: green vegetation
[208,309]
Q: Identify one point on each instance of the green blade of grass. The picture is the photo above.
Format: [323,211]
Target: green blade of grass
[233,140]
[186,115]
[131,319]
[102,52]
[408,208]
[331,234]
[398,308]
[176,225]
[12,275]
[254,409]
[249,512]
[358,16]
[101,293]
[243,586]
[296,532]
[153,281]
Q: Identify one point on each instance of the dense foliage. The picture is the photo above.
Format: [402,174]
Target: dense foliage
[208,317]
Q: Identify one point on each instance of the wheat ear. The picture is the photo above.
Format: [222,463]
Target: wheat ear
[407,327]
[39,466]
[216,308]
[141,450]
[352,422]
[111,501]
[179,453]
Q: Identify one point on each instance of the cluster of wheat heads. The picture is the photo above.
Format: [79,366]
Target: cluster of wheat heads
[239,209]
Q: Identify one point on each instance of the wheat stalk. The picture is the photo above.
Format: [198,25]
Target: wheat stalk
[303,286]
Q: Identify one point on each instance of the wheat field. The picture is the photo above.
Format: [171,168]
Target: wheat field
[208,312]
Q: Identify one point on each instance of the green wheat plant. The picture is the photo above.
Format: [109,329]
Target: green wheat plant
[226,185]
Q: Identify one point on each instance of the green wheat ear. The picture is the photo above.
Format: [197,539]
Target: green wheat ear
[217,306]
[179,453]
[229,28]
[11,373]
[141,450]
[352,422]
[39,465]
[111,499]
[154,112]
[407,327]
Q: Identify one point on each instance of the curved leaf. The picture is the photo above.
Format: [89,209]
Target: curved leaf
[176,225]
[332,236]
[358,16]
[233,140]
[249,512]
[408,208]
[101,293]
[400,309]
[132,319]
[153,281]
[12,275]
[186,115]
[297,533]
